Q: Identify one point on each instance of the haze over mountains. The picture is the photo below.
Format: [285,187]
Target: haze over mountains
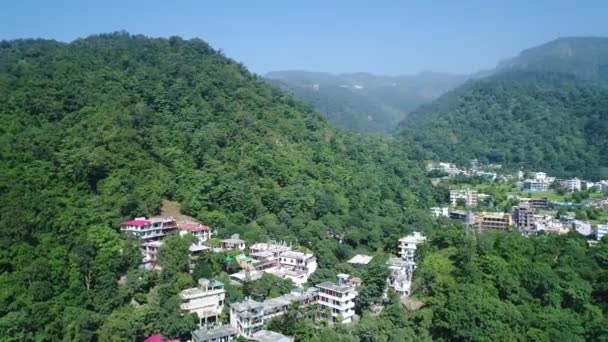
[370,103]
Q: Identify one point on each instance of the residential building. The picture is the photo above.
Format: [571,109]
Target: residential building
[523,217]
[339,299]
[400,275]
[268,248]
[234,242]
[269,336]
[487,220]
[440,211]
[150,232]
[224,333]
[466,216]
[571,185]
[535,203]
[201,232]
[601,230]
[535,185]
[298,261]
[582,227]
[360,259]
[469,197]
[407,245]
[159,338]
[206,300]
[550,225]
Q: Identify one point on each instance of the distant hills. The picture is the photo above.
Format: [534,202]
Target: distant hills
[364,102]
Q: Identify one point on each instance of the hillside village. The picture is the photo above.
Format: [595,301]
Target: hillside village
[532,214]
[332,302]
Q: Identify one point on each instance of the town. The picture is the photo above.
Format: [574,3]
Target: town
[333,302]
[535,202]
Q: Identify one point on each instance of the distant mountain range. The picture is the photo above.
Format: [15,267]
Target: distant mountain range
[365,102]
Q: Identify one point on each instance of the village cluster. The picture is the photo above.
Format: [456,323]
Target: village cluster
[335,301]
[530,215]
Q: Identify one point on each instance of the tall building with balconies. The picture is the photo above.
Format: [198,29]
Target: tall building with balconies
[469,197]
[407,245]
[338,298]
[150,232]
[206,301]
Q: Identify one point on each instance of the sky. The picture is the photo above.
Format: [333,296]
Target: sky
[384,36]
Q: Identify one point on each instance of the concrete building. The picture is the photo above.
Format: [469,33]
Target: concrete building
[440,211]
[270,248]
[400,275]
[206,301]
[298,261]
[233,243]
[582,227]
[269,336]
[407,245]
[601,230]
[223,333]
[498,221]
[571,185]
[523,217]
[533,185]
[201,232]
[469,197]
[360,259]
[339,299]
[150,232]
[535,203]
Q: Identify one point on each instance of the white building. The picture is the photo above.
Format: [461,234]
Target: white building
[400,276]
[468,196]
[298,261]
[360,259]
[223,333]
[338,298]
[235,242]
[269,248]
[407,245]
[150,232]
[440,212]
[201,232]
[269,336]
[572,185]
[582,227]
[601,230]
[206,300]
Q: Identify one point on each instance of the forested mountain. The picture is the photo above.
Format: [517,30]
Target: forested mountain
[364,102]
[585,57]
[102,129]
[553,122]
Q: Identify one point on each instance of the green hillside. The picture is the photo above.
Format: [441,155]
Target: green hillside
[363,102]
[552,122]
[103,128]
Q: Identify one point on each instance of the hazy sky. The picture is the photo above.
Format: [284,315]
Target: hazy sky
[386,37]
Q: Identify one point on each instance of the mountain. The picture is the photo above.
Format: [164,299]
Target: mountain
[553,122]
[364,102]
[105,128]
[585,57]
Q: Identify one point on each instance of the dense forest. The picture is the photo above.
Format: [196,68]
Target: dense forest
[105,128]
[102,129]
[536,120]
[363,102]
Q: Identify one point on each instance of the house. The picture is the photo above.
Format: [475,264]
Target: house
[360,259]
[523,217]
[572,185]
[298,261]
[224,333]
[535,203]
[407,245]
[400,275]
[601,230]
[150,232]
[534,185]
[269,336]
[498,221]
[339,299]
[233,243]
[201,232]
[582,227]
[440,212]
[266,248]
[469,197]
[206,301]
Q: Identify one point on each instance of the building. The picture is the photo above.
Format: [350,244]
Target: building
[582,227]
[233,243]
[150,232]
[572,185]
[465,216]
[201,232]
[469,197]
[159,338]
[206,301]
[269,248]
[338,298]
[407,245]
[298,261]
[523,217]
[535,203]
[224,333]
[601,230]
[249,316]
[269,336]
[498,221]
[400,275]
[440,212]
[360,259]
[534,185]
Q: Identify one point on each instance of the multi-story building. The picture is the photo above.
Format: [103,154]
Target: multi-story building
[535,185]
[407,245]
[338,298]
[469,197]
[601,230]
[269,336]
[535,203]
[582,227]
[150,232]
[400,275]
[571,185]
[498,221]
[201,232]
[440,212]
[224,333]
[523,217]
[298,261]
[268,249]
[235,242]
[206,300]
[250,316]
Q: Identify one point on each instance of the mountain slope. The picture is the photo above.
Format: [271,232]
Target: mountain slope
[585,57]
[363,102]
[104,128]
[553,122]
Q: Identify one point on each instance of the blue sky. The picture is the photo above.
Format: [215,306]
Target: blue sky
[385,37]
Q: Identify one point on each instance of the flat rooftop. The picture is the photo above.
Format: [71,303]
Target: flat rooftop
[215,333]
[360,259]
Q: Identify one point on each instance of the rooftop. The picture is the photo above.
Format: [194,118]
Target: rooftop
[215,333]
[246,305]
[295,255]
[233,241]
[361,259]
[414,238]
[269,336]
[136,222]
[193,227]
[334,287]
